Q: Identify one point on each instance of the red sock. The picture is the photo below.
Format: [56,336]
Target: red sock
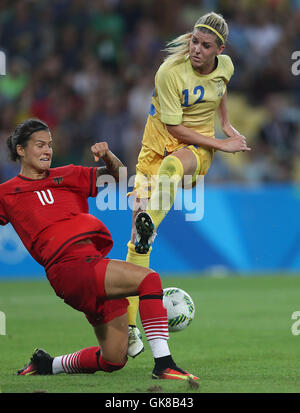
[87,360]
[152,312]
[83,361]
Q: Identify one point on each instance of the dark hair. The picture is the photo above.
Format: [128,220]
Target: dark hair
[22,134]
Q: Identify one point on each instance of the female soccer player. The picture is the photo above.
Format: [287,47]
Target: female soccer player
[48,208]
[178,141]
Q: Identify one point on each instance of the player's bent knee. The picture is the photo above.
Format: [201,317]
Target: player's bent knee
[110,366]
[151,284]
[170,166]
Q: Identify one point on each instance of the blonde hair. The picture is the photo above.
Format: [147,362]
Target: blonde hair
[178,49]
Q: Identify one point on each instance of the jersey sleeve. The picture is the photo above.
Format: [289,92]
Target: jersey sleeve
[168,96]
[85,178]
[228,68]
[3,218]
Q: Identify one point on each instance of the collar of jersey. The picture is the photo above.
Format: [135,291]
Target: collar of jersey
[31,179]
[211,74]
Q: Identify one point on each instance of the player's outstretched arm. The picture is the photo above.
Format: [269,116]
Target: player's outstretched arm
[100,150]
[235,142]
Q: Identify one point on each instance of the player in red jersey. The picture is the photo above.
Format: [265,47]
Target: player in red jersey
[48,208]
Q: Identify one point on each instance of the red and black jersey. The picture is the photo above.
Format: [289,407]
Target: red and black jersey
[51,213]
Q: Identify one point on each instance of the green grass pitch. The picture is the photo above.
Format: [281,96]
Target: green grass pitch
[239,342]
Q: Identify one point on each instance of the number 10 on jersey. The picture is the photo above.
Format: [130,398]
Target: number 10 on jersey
[45,198]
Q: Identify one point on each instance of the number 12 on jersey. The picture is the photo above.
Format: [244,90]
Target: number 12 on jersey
[197,89]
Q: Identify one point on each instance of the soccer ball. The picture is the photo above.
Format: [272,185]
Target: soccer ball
[180,308]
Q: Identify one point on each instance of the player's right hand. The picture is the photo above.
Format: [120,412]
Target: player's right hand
[99,150]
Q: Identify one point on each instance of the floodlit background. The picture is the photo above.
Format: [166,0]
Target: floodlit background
[86,67]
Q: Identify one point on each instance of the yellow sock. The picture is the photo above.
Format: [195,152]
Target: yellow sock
[139,259]
[170,174]
[132,310]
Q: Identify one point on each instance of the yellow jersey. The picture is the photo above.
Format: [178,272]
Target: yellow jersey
[184,96]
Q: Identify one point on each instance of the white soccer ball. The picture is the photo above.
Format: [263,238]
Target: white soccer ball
[180,308]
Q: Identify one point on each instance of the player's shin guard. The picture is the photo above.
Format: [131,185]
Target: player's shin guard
[154,315]
[170,174]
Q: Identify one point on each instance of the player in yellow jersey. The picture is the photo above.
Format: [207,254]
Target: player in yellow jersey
[190,86]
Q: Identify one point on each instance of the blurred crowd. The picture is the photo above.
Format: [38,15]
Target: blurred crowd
[86,67]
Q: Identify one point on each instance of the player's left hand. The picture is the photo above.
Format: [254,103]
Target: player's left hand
[231,132]
[99,150]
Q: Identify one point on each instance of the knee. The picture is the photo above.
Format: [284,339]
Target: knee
[171,166]
[151,285]
[113,357]
[109,366]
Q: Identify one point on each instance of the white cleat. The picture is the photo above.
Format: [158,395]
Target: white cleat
[135,344]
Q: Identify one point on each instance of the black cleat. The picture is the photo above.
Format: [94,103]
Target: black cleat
[40,363]
[144,233]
